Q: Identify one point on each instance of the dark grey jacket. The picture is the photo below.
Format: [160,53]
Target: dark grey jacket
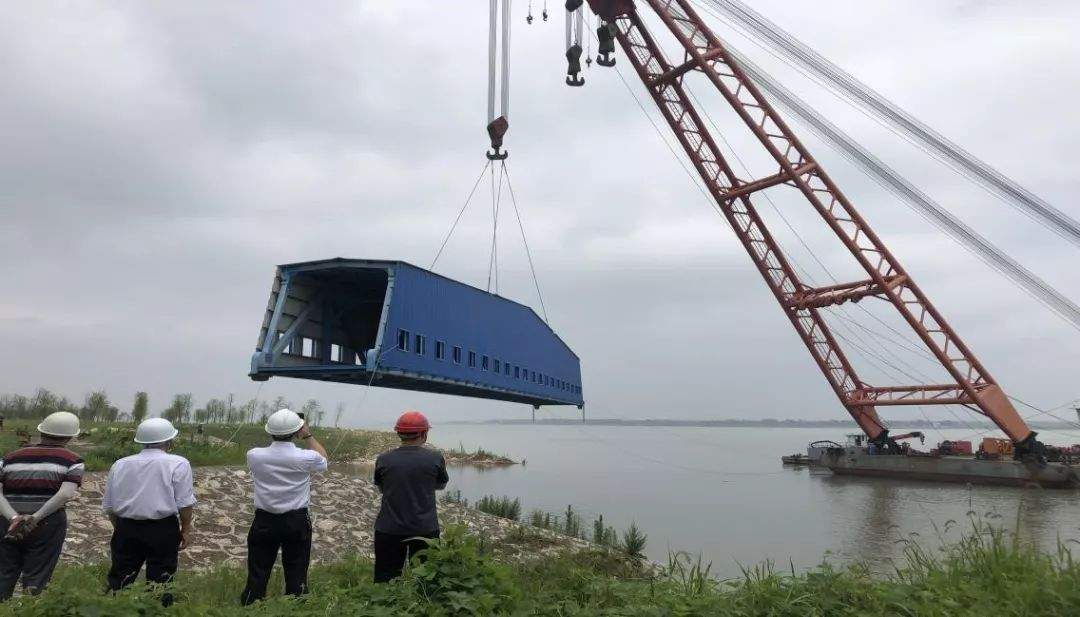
[408,478]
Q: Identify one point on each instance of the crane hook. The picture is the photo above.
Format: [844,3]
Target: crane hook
[573,68]
[529,19]
[607,45]
[496,130]
[545,14]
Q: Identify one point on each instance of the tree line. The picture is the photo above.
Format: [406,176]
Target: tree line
[96,407]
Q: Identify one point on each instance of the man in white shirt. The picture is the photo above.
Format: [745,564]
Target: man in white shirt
[145,495]
[282,476]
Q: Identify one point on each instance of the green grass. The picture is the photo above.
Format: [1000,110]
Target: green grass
[987,573]
[220,444]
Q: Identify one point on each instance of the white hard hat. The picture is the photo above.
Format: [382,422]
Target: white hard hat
[284,422]
[155,430]
[60,424]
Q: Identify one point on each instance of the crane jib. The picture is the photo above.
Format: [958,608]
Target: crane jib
[969,384]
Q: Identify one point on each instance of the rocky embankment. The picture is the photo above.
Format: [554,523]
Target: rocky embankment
[343,509]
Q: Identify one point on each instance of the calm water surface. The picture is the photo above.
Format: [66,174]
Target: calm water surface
[722,492]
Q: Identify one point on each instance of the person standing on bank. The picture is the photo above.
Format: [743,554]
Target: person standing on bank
[407,477]
[150,499]
[282,476]
[36,482]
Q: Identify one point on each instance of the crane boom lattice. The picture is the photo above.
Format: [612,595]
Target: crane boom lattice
[971,384]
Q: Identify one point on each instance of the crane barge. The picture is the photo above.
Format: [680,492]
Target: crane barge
[969,383]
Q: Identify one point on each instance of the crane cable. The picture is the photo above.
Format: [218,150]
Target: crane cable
[498,62]
[870,101]
[525,241]
[913,197]
[457,219]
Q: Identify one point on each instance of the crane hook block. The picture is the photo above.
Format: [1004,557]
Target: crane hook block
[496,130]
[544,13]
[529,19]
[573,5]
[607,45]
[573,67]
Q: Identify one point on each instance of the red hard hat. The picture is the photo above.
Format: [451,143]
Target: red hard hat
[412,422]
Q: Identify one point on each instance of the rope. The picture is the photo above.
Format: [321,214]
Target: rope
[525,240]
[496,199]
[240,424]
[363,397]
[458,219]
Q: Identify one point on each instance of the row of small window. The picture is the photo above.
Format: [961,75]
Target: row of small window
[417,343]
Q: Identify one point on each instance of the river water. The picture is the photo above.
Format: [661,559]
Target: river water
[722,493]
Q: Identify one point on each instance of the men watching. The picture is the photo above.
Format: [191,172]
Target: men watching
[282,476]
[36,482]
[407,477]
[145,495]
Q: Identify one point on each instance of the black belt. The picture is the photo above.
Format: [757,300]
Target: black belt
[147,521]
[286,513]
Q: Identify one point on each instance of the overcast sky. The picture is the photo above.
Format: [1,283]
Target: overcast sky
[157,160]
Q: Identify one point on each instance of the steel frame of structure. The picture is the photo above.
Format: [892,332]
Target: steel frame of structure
[887,279]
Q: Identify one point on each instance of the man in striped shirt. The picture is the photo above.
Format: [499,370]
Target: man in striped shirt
[36,482]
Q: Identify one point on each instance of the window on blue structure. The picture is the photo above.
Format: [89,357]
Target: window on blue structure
[421,344]
[506,367]
[457,355]
[498,366]
[403,340]
[440,350]
[472,359]
[517,372]
[484,363]
[532,374]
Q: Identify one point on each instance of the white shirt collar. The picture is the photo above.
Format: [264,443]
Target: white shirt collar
[282,444]
[151,451]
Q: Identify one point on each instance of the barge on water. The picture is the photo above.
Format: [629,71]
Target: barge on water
[855,459]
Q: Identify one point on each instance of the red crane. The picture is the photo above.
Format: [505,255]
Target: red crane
[969,384]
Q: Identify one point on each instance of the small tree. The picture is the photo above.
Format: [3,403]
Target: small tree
[338,412]
[313,412]
[97,407]
[180,409]
[142,406]
[45,403]
[633,542]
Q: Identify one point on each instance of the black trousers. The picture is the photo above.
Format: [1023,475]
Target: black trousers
[392,551]
[33,558]
[153,542]
[290,532]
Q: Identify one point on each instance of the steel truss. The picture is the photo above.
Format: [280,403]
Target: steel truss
[886,278]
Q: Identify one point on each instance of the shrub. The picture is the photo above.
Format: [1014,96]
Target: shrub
[633,542]
[503,507]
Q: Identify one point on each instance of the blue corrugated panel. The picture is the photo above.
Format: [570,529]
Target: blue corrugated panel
[391,324]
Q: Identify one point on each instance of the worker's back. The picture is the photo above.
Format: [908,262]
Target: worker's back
[408,478]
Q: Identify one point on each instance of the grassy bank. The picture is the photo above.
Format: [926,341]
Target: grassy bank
[218,444]
[985,574]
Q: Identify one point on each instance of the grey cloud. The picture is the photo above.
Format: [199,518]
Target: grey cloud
[159,159]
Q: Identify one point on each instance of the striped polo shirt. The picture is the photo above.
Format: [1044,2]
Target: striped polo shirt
[33,474]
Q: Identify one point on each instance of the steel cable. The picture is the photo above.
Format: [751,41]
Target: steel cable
[854,91]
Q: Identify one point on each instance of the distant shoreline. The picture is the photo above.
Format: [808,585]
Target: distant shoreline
[768,423]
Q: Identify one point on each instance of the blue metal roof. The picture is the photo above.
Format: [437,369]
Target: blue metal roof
[392,324]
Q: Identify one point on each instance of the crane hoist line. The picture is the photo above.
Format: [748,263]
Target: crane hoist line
[969,383]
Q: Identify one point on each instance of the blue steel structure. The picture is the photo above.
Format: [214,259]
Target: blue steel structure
[394,325]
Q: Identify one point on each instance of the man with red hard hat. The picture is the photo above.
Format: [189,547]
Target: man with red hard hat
[407,477]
